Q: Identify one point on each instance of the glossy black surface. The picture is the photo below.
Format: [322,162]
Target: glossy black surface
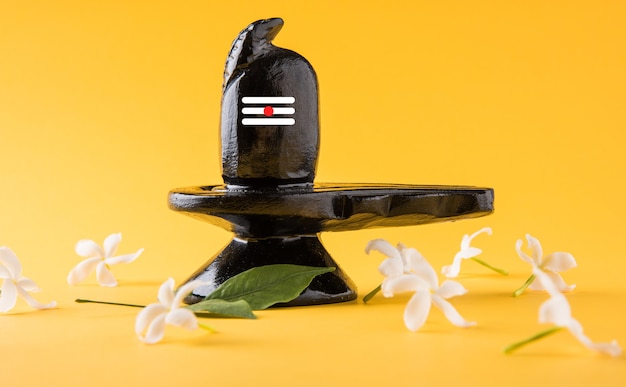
[339,207]
[242,254]
[268,155]
[270,144]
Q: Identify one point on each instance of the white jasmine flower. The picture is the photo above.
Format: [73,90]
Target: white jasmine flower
[15,284]
[556,310]
[99,259]
[406,270]
[399,260]
[551,265]
[151,321]
[468,252]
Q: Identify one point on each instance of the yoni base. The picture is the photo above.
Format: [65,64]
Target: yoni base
[243,254]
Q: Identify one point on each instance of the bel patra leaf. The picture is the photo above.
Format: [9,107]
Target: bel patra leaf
[239,308]
[264,286]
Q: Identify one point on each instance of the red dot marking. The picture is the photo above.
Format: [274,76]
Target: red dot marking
[268,111]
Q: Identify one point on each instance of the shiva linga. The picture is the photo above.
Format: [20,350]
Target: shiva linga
[270,140]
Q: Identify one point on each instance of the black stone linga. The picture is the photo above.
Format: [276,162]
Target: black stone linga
[270,146]
[270,125]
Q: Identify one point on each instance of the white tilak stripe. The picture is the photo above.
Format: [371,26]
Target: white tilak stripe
[260,110]
[268,100]
[268,121]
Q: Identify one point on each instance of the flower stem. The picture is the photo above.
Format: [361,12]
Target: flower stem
[535,337]
[497,270]
[83,301]
[207,328]
[519,291]
[198,314]
[371,294]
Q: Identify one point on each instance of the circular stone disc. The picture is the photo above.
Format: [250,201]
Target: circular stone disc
[328,207]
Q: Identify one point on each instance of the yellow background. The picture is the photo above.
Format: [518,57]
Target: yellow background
[107,105]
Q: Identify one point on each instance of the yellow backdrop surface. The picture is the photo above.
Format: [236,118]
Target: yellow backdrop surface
[107,105]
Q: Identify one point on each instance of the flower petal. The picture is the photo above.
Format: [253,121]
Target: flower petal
[551,282]
[467,239]
[411,258]
[383,247]
[559,262]
[611,348]
[28,284]
[422,268]
[8,296]
[184,290]
[470,252]
[110,244]
[104,276]
[183,318]
[155,331]
[450,312]
[536,285]
[11,263]
[450,289]
[146,315]
[535,246]
[416,263]
[556,310]
[126,258]
[166,293]
[452,271]
[34,303]
[4,272]
[486,230]
[391,267]
[417,310]
[88,248]
[558,281]
[521,254]
[82,270]
[401,284]
[154,326]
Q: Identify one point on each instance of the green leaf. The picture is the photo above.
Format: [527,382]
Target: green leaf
[239,308]
[265,286]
